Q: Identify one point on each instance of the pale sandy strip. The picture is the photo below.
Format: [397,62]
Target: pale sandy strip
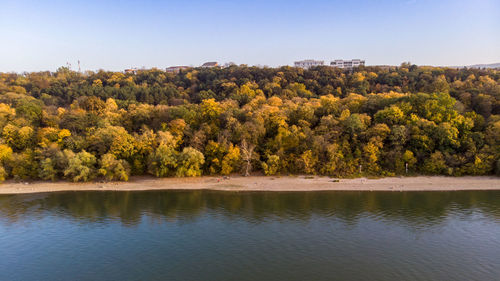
[261,183]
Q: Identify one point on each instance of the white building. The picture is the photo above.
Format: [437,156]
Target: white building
[308,63]
[347,63]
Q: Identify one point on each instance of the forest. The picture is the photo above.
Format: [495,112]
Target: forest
[371,121]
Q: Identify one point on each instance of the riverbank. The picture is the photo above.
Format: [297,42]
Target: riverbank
[261,183]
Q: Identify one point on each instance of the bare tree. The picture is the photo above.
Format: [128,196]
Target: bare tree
[247,153]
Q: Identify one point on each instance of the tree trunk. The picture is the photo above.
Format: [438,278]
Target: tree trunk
[247,150]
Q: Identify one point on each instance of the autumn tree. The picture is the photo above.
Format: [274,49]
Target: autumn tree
[113,169]
[271,166]
[81,166]
[190,162]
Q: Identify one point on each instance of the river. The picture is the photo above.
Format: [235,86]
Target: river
[208,235]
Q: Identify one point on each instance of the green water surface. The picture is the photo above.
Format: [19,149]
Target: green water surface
[206,235]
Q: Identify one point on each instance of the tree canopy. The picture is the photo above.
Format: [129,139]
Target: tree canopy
[371,121]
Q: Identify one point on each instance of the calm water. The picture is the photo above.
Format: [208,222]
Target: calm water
[204,235]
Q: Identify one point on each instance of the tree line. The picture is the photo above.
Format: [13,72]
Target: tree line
[371,121]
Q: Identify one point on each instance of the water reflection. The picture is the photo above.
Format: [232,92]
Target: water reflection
[412,208]
[205,235]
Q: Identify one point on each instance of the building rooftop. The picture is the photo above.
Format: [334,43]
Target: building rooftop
[210,64]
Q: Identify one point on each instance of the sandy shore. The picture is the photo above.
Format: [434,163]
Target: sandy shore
[261,183]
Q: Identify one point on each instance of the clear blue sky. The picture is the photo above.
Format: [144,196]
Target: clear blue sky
[113,35]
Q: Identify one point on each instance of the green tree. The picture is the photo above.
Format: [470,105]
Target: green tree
[114,169]
[190,162]
[47,170]
[24,165]
[435,164]
[392,115]
[307,162]
[163,162]
[81,166]
[18,138]
[272,165]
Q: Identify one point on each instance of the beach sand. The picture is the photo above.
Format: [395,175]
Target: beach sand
[262,183]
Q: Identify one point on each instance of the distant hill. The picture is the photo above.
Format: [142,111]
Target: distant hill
[491,65]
